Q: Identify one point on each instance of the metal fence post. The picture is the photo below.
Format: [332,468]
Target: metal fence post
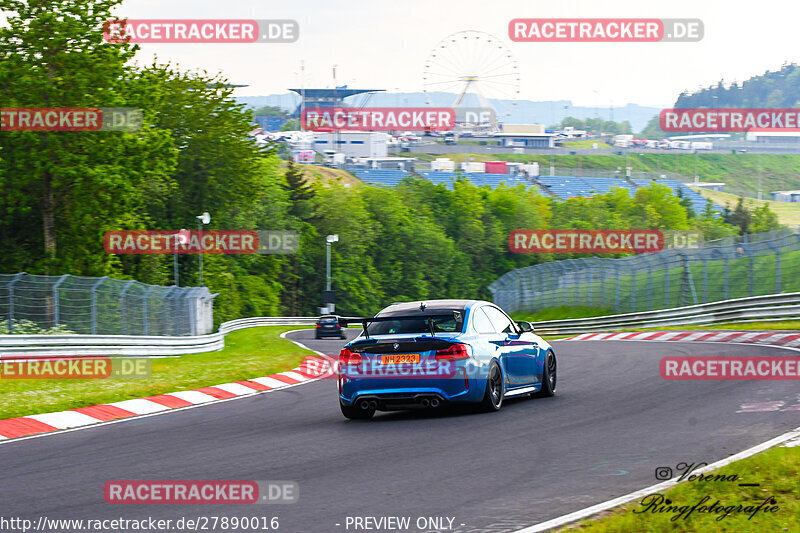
[11,302]
[146,324]
[633,289]
[750,280]
[666,284]
[123,318]
[56,301]
[94,303]
[777,266]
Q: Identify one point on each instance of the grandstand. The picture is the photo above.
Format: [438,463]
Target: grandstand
[571,187]
[375,176]
[562,187]
[477,178]
[697,200]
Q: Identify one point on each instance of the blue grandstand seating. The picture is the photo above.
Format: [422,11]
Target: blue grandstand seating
[698,201]
[374,176]
[477,178]
[572,187]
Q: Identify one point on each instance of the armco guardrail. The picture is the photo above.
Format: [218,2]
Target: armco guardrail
[28,346]
[771,306]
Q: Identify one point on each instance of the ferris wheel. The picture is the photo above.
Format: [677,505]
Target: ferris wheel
[478,68]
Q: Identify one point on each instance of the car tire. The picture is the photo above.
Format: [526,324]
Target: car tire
[493,397]
[549,376]
[343,337]
[356,413]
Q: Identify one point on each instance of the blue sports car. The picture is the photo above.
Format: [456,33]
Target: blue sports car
[426,354]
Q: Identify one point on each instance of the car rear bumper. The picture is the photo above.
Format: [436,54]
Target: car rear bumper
[400,394]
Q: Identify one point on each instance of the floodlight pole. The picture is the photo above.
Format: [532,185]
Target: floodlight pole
[330,239]
[328,266]
[205,218]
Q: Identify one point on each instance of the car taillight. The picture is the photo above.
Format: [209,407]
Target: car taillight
[319,325]
[346,357]
[454,352]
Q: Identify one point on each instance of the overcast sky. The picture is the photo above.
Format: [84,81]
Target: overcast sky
[384,44]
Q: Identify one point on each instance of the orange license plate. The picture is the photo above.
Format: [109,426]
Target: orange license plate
[400,358]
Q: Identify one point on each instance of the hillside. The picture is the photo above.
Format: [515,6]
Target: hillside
[788,213]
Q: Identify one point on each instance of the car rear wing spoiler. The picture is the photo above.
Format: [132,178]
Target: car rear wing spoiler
[364,321]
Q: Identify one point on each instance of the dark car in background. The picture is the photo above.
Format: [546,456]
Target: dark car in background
[328,326]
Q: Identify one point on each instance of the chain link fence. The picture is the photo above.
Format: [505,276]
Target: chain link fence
[735,267]
[101,306]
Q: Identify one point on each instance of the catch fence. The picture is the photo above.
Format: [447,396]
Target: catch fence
[31,304]
[735,267]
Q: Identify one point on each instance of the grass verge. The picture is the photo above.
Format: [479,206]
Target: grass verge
[775,471]
[586,144]
[248,353]
[788,212]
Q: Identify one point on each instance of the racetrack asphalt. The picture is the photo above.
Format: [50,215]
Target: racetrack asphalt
[613,421]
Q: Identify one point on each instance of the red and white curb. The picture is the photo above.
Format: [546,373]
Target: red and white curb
[311,369]
[769,338]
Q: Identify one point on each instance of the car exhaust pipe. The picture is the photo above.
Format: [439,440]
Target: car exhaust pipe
[373,404]
[425,402]
[364,404]
[435,402]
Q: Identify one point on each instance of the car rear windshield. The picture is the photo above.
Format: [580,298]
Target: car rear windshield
[449,324]
[328,320]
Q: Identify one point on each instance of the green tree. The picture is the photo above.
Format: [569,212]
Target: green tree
[74,186]
[270,111]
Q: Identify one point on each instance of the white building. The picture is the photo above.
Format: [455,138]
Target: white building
[353,143]
[786,196]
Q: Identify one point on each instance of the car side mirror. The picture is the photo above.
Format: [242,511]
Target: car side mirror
[525,327]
